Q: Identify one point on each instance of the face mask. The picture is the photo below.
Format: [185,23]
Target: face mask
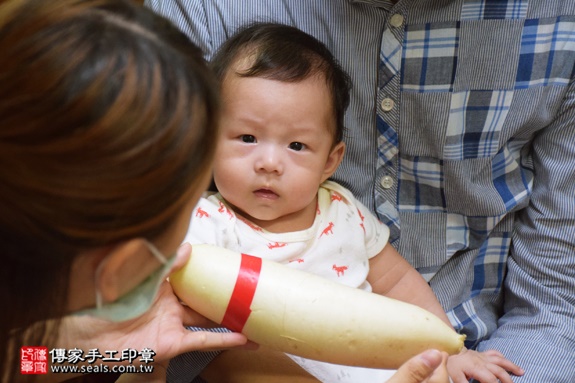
[138,300]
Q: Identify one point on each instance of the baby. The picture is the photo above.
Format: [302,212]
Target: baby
[284,98]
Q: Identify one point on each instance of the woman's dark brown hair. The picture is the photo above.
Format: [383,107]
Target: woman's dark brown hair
[108,120]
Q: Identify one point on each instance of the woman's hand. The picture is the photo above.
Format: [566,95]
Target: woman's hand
[427,367]
[161,329]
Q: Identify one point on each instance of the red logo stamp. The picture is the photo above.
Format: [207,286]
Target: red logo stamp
[34,360]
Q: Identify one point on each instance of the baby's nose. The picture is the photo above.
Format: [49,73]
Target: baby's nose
[269,160]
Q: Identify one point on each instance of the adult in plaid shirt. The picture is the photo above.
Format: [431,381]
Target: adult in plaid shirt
[461,137]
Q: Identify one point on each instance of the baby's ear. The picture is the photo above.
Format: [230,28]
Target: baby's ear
[333,160]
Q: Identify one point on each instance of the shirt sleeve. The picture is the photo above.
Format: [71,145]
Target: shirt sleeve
[201,224]
[211,223]
[376,233]
[537,328]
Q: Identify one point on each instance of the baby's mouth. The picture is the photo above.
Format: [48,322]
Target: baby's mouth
[266,193]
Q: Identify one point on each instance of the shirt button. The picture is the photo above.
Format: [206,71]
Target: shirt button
[396,20]
[386,182]
[387,104]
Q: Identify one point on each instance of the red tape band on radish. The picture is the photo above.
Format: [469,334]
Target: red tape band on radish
[239,310]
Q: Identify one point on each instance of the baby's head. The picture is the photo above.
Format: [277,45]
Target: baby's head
[287,54]
[283,97]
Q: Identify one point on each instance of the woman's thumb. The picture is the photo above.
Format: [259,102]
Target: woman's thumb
[421,367]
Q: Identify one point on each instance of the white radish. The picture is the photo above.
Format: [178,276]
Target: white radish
[306,315]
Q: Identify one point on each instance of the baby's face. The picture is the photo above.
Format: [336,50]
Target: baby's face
[275,149]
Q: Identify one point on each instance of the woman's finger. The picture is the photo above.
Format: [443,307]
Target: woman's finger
[210,341]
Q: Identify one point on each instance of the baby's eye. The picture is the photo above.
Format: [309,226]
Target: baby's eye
[248,138]
[297,146]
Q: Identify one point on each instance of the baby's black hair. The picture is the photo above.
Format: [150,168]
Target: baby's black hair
[285,53]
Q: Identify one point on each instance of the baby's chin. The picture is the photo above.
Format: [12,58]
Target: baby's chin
[263,219]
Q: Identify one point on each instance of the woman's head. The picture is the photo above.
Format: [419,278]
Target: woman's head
[108,119]
[107,116]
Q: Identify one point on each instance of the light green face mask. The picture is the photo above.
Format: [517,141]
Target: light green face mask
[138,300]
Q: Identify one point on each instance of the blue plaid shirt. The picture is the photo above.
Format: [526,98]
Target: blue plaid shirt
[461,137]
